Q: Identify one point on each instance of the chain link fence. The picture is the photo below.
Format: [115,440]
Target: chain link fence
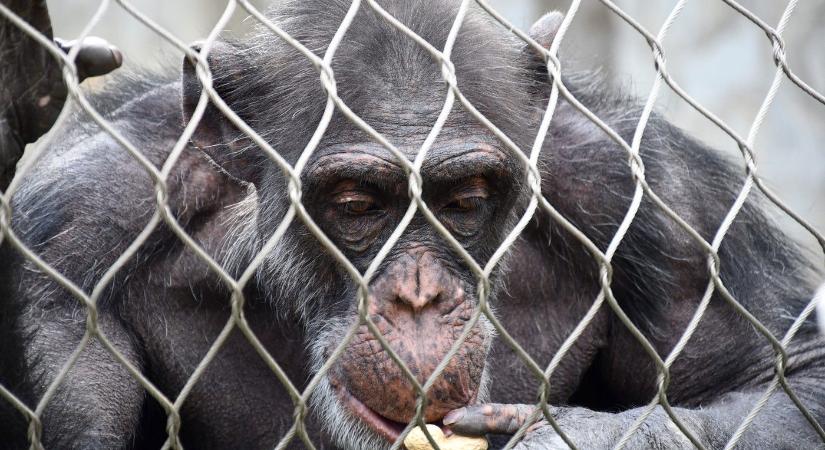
[528,157]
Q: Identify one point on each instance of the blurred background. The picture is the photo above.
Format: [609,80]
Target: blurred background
[715,54]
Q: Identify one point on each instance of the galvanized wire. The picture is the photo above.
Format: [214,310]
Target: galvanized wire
[452,94]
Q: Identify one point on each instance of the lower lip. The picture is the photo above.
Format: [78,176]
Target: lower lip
[387,429]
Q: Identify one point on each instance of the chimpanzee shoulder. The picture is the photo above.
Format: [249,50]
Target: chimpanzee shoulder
[87,196]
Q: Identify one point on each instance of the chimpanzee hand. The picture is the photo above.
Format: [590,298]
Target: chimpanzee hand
[586,429]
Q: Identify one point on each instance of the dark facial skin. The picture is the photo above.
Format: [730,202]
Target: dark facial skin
[360,192]
[422,296]
[87,200]
[419,300]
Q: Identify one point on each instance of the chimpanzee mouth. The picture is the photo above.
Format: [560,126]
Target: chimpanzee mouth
[384,427]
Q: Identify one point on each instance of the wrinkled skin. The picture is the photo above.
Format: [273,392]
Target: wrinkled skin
[87,200]
[417,333]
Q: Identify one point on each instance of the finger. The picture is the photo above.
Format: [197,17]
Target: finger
[96,56]
[493,418]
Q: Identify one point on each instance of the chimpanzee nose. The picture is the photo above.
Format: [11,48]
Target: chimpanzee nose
[418,301]
[419,306]
[418,280]
[421,283]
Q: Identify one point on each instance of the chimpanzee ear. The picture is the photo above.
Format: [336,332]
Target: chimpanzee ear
[545,29]
[543,32]
[216,135]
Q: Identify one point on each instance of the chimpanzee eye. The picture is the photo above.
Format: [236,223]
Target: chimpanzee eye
[356,203]
[358,207]
[470,195]
[466,204]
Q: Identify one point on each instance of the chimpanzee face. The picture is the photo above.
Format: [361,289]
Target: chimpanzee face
[424,294]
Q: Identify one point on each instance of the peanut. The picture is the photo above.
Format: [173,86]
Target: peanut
[416,440]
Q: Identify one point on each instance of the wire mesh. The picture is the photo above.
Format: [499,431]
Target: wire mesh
[296,211]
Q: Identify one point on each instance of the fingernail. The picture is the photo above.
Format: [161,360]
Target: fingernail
[117,56]
[454,416]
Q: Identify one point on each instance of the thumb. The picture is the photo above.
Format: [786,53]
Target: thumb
[495,418]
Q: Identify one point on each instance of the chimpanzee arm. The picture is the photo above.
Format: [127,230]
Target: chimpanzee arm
[72,219]
[712,425]
[98,404]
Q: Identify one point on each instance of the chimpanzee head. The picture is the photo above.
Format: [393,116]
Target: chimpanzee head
[357,192]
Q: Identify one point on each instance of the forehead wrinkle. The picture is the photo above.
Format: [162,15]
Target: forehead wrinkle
[464,159]
[356,162]
[446,161]
[344,151]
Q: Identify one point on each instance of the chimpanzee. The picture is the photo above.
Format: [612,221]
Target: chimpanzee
[87,199]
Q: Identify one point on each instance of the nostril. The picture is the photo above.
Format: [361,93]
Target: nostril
[418,302]
[418,290]
[427,299]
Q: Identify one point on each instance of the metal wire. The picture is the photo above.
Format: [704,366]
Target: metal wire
[452,94]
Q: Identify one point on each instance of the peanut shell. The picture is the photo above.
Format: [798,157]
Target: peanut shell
[416,440]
